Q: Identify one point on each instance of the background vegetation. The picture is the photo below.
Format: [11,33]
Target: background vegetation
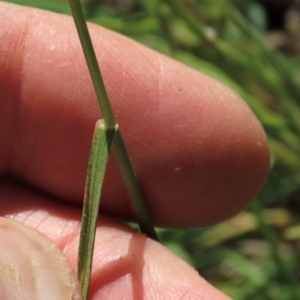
[256,254]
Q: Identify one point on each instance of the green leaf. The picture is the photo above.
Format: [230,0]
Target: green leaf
[101,144]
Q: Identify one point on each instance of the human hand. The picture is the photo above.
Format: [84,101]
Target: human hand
[198,150]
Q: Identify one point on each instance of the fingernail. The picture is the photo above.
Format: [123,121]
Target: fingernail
[31,267]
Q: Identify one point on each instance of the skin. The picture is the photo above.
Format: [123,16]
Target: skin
[199,152]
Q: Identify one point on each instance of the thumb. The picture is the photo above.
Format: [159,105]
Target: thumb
[32,267]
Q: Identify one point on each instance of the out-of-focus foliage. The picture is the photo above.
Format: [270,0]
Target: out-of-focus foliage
[254,255]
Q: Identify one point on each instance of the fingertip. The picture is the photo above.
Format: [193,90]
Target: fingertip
[199,152]
[32,266]
[205,156]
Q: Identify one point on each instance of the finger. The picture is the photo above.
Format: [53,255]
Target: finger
[32,267]
[126,264]
[199,152]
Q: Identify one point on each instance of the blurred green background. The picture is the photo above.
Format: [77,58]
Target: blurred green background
[253,47]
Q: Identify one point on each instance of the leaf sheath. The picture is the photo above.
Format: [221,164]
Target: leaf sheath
[101,144]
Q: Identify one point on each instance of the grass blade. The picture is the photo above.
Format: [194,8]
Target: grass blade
[120,152]
[101,144]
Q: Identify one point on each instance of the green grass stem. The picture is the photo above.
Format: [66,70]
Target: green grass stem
[92,62]
[119,148]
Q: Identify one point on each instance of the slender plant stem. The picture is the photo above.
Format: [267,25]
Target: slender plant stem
[92,62]
[119,148]
[101,144]
[130,181]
